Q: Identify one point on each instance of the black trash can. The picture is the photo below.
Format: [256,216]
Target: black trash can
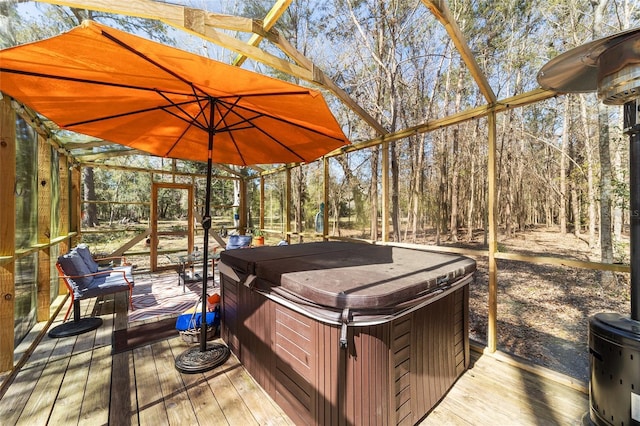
[614,387]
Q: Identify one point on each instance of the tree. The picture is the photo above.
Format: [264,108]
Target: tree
[90,214]
[606,243]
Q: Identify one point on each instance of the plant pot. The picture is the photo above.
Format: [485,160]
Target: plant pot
[259,241]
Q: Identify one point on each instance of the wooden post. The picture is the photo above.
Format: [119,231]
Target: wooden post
[243,206]
[325,198]
[64,211]
[287,204]
[75,204]
[153,237]
[43,298]
[492,325]
[191,229]
[261,202]
[7,232]
[385,192]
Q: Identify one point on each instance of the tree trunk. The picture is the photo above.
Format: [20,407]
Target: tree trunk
[453,224]
[373,192]
[472,189]
[562,213]
[395,190]
[606,244]
[618,222]
[416,189]
[90,218]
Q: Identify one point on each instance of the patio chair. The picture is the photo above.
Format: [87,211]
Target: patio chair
[85,279]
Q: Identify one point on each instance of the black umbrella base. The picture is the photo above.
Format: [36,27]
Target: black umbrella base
[193,361]
[73,328]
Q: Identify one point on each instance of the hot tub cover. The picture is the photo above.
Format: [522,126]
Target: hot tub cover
[341,275]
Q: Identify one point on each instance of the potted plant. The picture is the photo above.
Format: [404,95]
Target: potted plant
[258,237]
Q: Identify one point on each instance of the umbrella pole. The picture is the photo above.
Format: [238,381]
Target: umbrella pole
[205,357]
[206,225]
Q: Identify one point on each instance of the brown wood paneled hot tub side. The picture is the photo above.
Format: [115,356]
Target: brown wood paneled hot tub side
[330,332]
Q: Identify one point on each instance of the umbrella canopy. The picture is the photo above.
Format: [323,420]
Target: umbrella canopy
[126,89]
[119,87]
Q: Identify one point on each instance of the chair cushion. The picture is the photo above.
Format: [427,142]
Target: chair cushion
[83,251]
[73,264]
[106,282]
[238,241]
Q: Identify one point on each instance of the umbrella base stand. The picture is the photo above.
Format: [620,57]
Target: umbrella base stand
[76,327]
[193,361]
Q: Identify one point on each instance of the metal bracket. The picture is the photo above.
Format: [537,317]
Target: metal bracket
[343,329]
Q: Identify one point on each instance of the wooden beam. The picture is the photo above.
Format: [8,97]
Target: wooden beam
[435,248]
[227,169]
[202,23]
[255,53]
[187,19]
[441,11]
[128,203]
[87,145]
[140,8]
[324,81]
[7,232]
[198,20]
[517,101]
[350,103]
[270,20]
[105,155]
[548,260]
[163,172]
[120,251]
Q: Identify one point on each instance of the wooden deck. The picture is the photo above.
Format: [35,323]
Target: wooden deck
[77,380]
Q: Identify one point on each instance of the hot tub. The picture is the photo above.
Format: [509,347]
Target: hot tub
[348,333]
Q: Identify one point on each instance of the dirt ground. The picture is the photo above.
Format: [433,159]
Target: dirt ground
[543,310]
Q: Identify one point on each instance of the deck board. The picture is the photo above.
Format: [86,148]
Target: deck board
[150,403]
[199,392]
[42,398]
[177,402]
[231,403]
[123,407]
[95,406]
[72,390]
[494,392]
[77,380]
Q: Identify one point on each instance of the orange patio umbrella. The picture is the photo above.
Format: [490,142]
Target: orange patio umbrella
[126,89]
[119,87]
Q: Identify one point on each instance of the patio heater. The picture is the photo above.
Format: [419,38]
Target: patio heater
[612,67]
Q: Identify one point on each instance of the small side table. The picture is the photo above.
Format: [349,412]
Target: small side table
[191,261]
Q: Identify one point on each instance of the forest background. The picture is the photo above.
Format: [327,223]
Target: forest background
[562,164]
